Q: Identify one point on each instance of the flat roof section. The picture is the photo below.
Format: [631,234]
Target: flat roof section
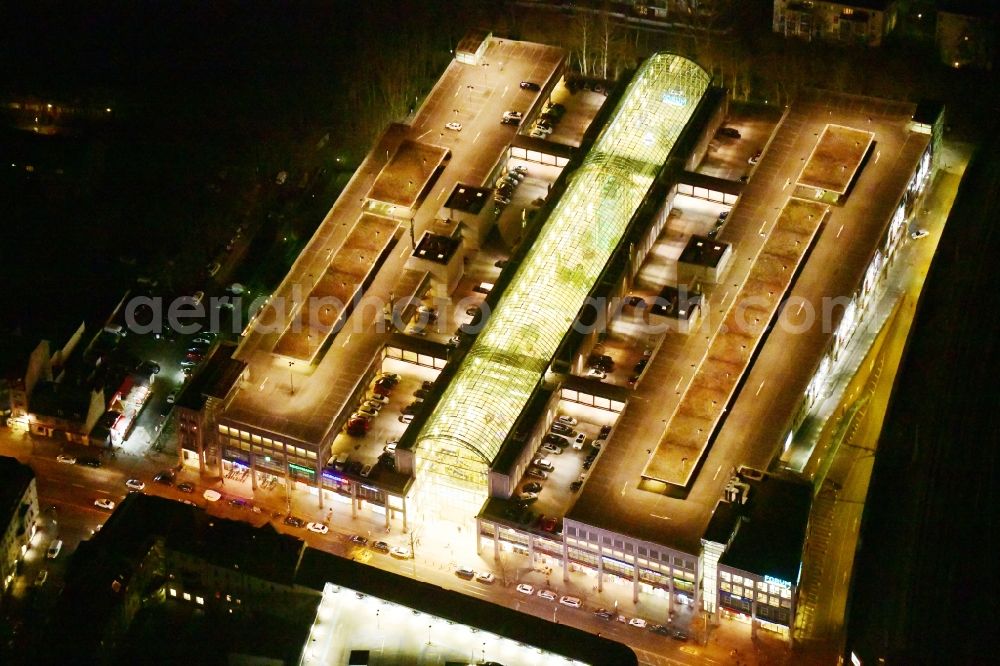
[835,158]
[770,531]
[437,248]
[692,426]
[401,181]
[467,198]
[354,604]
[703,251]
[317,316]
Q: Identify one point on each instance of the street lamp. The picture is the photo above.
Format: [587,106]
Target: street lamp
[291,376]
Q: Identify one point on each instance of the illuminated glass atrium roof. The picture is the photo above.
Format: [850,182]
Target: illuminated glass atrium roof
[464,434]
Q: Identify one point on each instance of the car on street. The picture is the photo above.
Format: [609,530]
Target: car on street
[188,363]
[454,127]
[135,484]
[547,594]
[406,418]
[212,495]
[66,460]
[572,602]
[603,613]
[380,547]
[358,426]
[568,420]
[374,397]
[166,477]
[918,234]
[292,521]
[42,576]
[637,622]
[659,629]
[576,485]
[358,539]
[150,367]
[548,523]
[597,373]
[172,396]
[528,85]
[203,340]
[527,497]
[755,157]
[465,573]
[104,503]
[729,132]
[524,588]
[543,463]
[54,549]
[185,487]
[551,449]
[532,487]
[555,440]
[537,473]
[678,635]
[366,411]
[562,429]
[486,577]
[88,461]
[401,552]
[318,528]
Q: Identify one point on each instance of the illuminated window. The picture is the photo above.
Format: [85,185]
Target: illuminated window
[224,429]
[173,592]
[200,600]
[786,594]
[187,597]
[725,575]
[255,439]
[761,598]
[761,585]
[738,579]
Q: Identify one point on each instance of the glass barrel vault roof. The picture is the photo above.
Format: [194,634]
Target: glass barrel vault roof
[464,434]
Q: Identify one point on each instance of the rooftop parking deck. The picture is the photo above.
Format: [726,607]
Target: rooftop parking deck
[614,496]
[692,426]
[302,401]
[407,174]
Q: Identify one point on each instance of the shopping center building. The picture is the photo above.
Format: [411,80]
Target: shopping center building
[674,498]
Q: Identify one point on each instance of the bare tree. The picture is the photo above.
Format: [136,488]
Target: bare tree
[582,30]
